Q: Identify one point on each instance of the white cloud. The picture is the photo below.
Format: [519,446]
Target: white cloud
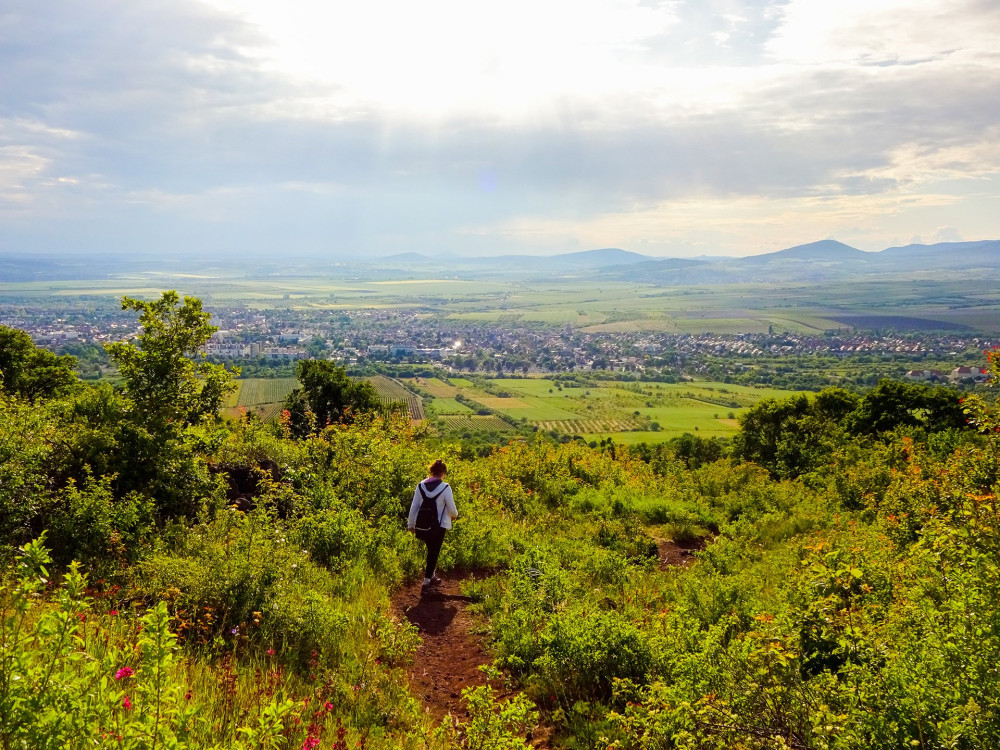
[609,122]
[818,32]
[452,55]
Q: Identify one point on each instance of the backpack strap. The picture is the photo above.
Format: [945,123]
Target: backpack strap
[425,496]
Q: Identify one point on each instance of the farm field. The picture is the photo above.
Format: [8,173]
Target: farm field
[586,304]
[436,387]
[475,423]
[626,412]
[392,391]
[256,391]
[262,396]
[447,406]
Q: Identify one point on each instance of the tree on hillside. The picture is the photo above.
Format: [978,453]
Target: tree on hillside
[771,435]
[31,372]
[161,377]
[894,404]
[795,435]
[327,396]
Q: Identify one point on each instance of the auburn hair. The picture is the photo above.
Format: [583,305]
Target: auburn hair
[437,469]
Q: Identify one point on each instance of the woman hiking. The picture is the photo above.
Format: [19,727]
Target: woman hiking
[431,513]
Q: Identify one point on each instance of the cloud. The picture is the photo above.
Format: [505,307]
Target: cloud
[386,126]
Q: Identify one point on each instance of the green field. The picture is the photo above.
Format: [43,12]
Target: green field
[257,391]
[586,304]
[447,406]
[626,412]
[391,391]
[262,396]
[474,423]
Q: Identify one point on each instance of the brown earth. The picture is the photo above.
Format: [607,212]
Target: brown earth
[448,659]
[678,555]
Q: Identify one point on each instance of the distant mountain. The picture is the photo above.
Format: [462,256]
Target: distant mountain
[944,255]
[812,262]
[824,250]
[817,261]
[924,251]
[406,258]
[582,260]
[666,271]
[609,256]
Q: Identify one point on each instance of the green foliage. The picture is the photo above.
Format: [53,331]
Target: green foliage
[841,592]
[25,453]
[327,397]
[160,375]
[71,677]
[31,372]
[494,723]
[895,404]
[798,435]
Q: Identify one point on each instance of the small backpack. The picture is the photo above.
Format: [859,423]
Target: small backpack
[428,520]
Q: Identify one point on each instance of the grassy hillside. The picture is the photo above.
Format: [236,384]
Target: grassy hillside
[826,579]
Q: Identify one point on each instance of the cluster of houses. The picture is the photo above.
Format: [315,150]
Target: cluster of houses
[958,375]
[404,350]
[224,347]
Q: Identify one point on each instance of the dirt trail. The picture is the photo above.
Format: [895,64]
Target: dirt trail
[448,659]
[678,555]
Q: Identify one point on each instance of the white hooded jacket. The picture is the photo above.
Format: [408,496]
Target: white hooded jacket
[444,500]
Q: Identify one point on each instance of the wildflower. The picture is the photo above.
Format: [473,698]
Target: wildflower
[124,672]
[187,695]
[270,652]
[126,703]
[113,613]
[310,743]
[234,631]
[328,706]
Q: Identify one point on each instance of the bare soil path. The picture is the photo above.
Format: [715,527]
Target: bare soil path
[448,660]
[678,555]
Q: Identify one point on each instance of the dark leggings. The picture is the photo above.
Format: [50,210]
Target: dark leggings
[433,550]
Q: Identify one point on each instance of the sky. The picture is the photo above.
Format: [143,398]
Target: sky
[252,128]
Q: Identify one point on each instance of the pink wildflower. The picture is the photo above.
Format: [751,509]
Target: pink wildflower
[310,743]
[113,612]
[127,703]
[124,672]
[328,706]
[270,652]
